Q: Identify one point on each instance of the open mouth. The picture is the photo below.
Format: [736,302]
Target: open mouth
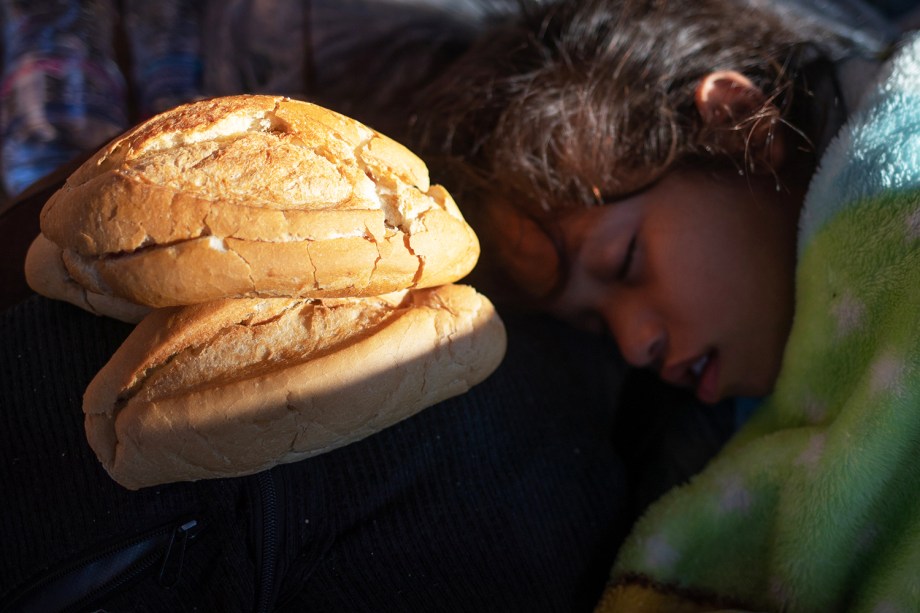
[705,373]
[700,374]
[697,368]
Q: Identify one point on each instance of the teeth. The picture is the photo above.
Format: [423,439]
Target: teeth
[699,366]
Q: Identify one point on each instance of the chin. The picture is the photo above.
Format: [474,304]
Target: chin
[758,389]
[760,380]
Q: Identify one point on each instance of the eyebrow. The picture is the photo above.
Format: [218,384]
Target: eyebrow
[605,239]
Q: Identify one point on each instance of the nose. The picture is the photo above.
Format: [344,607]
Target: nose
[640,334]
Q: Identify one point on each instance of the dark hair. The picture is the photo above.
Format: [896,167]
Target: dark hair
[580,102]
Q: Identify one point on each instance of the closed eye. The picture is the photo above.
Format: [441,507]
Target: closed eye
[626,266]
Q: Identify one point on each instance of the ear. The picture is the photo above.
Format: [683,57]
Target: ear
[726,99]
[524,249]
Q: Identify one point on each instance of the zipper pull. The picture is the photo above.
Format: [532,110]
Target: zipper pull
[171,568]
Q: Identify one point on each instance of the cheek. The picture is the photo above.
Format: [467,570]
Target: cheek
[702,286]
[679,272]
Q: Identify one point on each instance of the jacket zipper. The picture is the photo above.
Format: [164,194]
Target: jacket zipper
[269,509]
[78,584]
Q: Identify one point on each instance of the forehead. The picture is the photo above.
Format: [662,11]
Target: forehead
[538,255]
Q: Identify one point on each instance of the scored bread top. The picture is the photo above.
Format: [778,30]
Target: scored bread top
[222,182]
[258,152]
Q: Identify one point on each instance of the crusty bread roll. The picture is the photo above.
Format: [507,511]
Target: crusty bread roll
[247,196]
[234,387]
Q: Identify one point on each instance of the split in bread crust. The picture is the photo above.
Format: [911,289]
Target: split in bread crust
[47,275]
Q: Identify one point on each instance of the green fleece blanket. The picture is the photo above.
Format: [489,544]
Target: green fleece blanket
[815,504]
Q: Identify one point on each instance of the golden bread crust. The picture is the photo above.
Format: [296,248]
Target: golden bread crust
[256,179]
[234,387]
[47,274]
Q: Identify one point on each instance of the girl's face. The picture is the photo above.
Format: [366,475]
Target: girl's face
[693,277]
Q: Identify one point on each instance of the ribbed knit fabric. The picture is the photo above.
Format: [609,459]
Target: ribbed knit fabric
[508,498]
[58,502]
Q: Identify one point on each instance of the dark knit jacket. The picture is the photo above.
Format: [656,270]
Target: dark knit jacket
[510,497]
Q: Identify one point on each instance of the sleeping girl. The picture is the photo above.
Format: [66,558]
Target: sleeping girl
[731,190]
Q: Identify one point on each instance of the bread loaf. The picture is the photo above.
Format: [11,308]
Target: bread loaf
[255,196]
[237,386]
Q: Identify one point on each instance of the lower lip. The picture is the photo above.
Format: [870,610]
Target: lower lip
[707,390]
